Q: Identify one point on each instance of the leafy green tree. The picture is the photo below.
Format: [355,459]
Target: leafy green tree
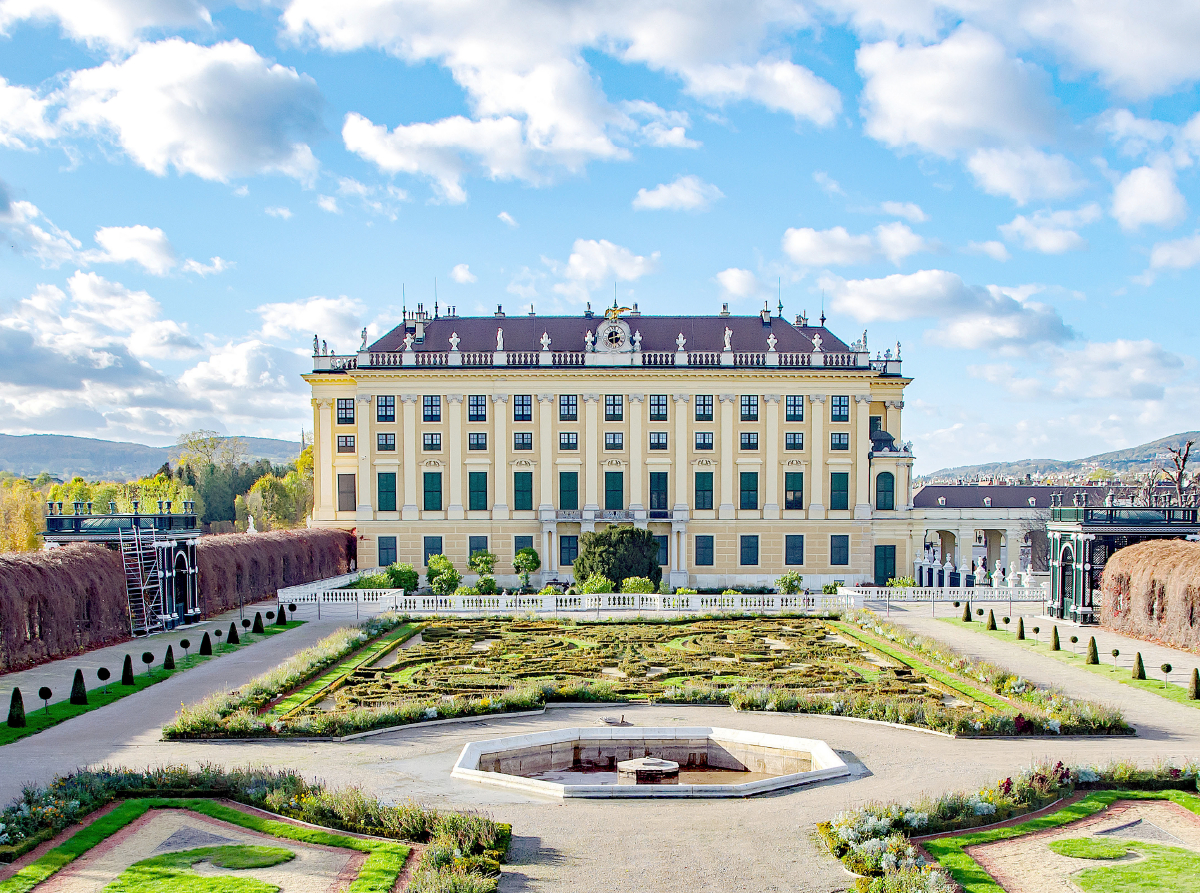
[443,577]
[618,552]
[481,562]
[596,584]
[791,583]
[404,576]
[638,585]
[20,516]
[527,561]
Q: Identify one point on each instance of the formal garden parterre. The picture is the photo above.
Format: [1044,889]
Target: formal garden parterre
[371,678]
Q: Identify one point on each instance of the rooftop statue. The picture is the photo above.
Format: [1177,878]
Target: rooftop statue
[499,339]
[728,335]
[545,340]
[816,341]
[680,341]
[454,339]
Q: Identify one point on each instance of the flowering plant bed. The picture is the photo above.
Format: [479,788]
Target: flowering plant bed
[462,852]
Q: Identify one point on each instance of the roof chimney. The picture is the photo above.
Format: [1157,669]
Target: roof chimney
[724,310]
[499,314]
[765,314]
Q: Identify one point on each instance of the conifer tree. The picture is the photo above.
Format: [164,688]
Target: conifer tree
[258,623]
[127,671]
[78,689]
[206,645]
[169,660]
[1093,657]
[1139,670]
[16,710]
[966,618]
[991,621]
[1020,629]
[1054,646]
[233,638]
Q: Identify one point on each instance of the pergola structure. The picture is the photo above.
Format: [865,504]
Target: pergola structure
[1082,539]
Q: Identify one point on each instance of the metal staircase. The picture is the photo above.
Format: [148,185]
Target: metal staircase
[139,555]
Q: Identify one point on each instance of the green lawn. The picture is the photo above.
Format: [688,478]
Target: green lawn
[929,670]
[38,718]
[1165,869]
[1105,668]
[172,872]
[951,852]
[368,654]
[378,874]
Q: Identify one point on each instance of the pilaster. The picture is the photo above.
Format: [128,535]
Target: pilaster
[500,456]
[862,456]
[682,450]
[771,467]
[323,453]
[408,405]
[454,465]
[591,456]
[816,486]
[545,422]
[727,509]
[362,441]
[637,447]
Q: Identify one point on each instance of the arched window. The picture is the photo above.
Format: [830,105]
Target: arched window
[885,491]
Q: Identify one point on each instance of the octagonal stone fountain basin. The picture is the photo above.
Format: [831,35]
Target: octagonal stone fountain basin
[582,762]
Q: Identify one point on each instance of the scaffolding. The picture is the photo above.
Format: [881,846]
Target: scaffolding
[143,584]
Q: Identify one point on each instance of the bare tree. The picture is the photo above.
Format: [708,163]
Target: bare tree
[1033,531]
[203,447]
[1145,483]
[1179,458]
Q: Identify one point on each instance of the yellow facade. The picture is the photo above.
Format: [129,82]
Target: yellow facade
[419,444]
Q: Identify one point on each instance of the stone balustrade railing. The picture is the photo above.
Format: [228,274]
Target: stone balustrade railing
[368,602]
[952,593]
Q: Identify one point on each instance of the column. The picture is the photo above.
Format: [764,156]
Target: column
[408,403]
[680,449]
[547,560]
[862,456]
[323,454]
[500,455]
[591,455]
[771,458]
[637,462]
[545,420]
[816,450]
[454,466]
[727,509]
[366,486]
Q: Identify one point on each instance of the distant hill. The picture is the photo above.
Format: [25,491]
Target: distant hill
[1133,459]
[66,456]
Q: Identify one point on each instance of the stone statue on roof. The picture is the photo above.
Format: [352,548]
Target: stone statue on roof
[588,339]
[728,335]
[408,340]
[637,340]
[363,346]
[771,339]
[454,339]
[680,341]
[316,346]
[816,341]
[545,340]
[499,339]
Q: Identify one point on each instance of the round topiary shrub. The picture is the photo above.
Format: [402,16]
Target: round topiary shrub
[638,585]
[443,576]
[486,584]
[1166,670]
[127,671]
[78,690]
[205,645]
[245,623]
[103,675]
[596,584]
[147,659]
[169,660]
[45,694]
[16,710]
[258,623]
[270,615]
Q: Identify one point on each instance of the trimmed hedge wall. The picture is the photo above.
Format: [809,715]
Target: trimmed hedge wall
[1152,591]
[72,599]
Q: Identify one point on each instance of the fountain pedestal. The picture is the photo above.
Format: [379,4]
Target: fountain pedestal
[647,770]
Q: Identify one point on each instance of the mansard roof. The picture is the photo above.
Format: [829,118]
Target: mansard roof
[659,333]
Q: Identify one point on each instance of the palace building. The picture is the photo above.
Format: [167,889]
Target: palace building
[749,445]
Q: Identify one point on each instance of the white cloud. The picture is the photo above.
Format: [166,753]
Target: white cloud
[507,219]
[971,317]
[31,232]
[250,385]
[738,283]
[993,249]
[910,211]
[280,212]
[1051,232]
[22,116]
[827,183]
[685,193]
[960,94]
[384,200]
[1148,195]
[663,129]
[144,245]
[116,23]
[837,247]
[216,111]
[1116,370]
[778,85]
[593,262]
[1134,135]
[1023,174]
[338,320]
[1180,254]
[462,274]
[328,203]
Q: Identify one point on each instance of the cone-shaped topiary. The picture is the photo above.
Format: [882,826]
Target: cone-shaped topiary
[1020,629]
[281,617]
[78,689]
[233,638]
[169,660]
[206,645]
[966,618]
[1093,656]
[1194,686]
[1139,670]
[258,623]
[16,710]
[1054,646]
[127,671]
[991,621]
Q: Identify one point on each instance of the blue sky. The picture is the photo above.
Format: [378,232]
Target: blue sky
[189,191]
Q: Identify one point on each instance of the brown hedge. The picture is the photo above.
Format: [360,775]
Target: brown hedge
[1152,591]
[70,600]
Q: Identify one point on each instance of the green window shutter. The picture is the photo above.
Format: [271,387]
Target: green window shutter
[749,489]
[433,491]
[704,490]
[568,490]
[614,490]
[885,491]
[477,492]
[523,491]
[839,491]
[793,490]
[386,481]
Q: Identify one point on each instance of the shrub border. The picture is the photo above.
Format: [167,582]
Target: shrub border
[38,721]
[378,874]
[951,851]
